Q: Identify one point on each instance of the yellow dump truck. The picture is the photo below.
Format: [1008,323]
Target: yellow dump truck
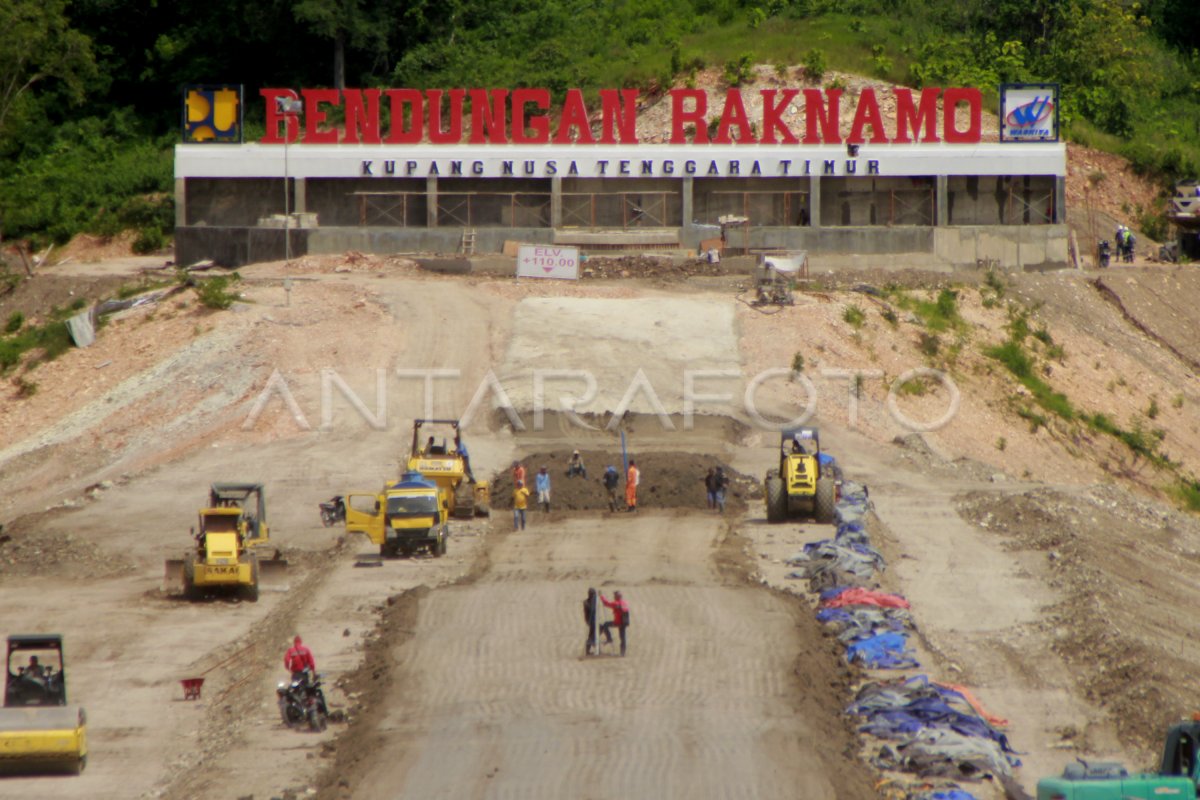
[442,458]
[39,731]
[408,516]
[226,556]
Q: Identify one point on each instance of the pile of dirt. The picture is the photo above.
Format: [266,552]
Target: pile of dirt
[26,550]
[669,480]
[1121,565]
[648,266]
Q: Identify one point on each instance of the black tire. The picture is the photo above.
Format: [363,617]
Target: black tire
[316,720]
[79,766]
[776,500]
[824,503]
[250,593]
[464,501]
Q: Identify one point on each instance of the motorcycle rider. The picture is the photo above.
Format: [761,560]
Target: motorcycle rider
[299,661]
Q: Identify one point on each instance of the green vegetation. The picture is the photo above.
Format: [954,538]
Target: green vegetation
[15,321]
[798,362]
[854,316]
[1022,364]
[890,317]
[939,314]
[86,131]
[1187,492]
[51,339]
[929,344]
[214,293]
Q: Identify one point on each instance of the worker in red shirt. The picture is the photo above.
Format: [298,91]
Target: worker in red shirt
[518,471]
[298,659]
[620,610]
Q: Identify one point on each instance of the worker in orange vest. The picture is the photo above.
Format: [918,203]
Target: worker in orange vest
[632,479]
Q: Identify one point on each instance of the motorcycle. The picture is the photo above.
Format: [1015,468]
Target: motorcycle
[1105,253]
[302,702]
[333,511]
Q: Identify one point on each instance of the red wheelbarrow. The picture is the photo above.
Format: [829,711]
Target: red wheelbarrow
[191,688]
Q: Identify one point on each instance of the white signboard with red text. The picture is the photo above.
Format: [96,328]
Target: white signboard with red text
[548,261]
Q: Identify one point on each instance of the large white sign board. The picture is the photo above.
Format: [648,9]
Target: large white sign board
[547,261]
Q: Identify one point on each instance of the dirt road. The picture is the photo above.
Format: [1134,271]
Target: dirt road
[492,696]
[464,675]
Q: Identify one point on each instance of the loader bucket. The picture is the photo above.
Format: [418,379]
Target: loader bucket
[173,576]
[272,570]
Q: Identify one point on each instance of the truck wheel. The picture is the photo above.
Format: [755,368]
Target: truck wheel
[776,500]
[825,500]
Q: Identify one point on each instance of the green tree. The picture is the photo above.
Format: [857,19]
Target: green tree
[38,49]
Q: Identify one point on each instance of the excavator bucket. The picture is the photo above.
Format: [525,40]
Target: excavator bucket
[272,570]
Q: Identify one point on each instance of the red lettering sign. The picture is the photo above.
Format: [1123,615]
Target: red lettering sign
[528,116]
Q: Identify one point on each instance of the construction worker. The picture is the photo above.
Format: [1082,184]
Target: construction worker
[589,616]
[611,479]
[576,467]
[35,668]
[518,472]
[620,610]
[541,482]
[632,478]
[298,660]
[719,484]
[460,447]
[520,502]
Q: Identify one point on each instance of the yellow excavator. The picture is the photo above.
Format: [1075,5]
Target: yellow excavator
[447,463]
[233,532]
[39,732]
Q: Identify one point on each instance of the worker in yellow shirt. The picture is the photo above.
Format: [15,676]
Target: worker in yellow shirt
[520,502]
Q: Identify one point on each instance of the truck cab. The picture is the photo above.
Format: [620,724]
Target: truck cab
[408,516]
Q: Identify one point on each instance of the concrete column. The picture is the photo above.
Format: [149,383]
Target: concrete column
[180,202]
[431,198]
[556,202]
[1060,200]
[942,216]
[814,201]
[685,196]
[300,188]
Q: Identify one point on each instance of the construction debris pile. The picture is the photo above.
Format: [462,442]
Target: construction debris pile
[936,731]
[647,266]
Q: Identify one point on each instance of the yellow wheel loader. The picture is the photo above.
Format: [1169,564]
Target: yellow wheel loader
[805,484]
[443,459]
[39,732]
[226,557]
